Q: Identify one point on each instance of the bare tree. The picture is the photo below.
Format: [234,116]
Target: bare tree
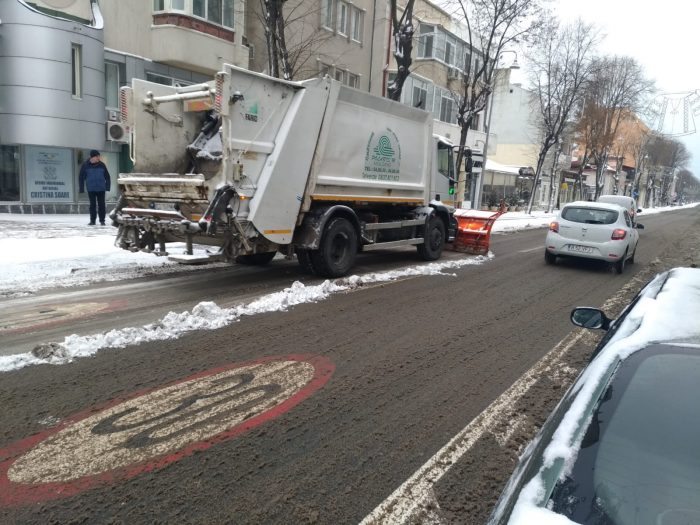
[665,156]
[292,37]
[638,140]
[402,30]
[493,26]
[616,90]
[561,64]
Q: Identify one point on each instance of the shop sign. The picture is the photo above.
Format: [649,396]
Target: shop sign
[49,174]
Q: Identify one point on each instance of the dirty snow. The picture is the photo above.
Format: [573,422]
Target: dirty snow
[41,251]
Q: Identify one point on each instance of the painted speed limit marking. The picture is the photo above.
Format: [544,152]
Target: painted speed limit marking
[152,429]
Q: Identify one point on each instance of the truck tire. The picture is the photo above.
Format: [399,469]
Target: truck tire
[431,249]
[338,250]
[256,259]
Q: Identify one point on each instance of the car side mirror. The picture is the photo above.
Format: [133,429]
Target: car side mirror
[639,226]
[593,318]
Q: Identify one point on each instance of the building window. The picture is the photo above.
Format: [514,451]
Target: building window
[475,123]
[112,84]
[343,18]
[420,94]
[218,12]
[445,109]
[166,80]
[357,25]
[9,173]
[353,81]
[323,70]
[328,14]
[340,75]
[450,52]
[76,70]
[425,40]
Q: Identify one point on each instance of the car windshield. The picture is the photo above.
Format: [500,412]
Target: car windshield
[639,462]
[589,215]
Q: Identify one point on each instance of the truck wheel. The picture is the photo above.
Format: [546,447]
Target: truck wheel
[304,258]
[431,249]
[256,259]
[336,254]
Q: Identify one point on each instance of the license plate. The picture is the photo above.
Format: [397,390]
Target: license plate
[580,249]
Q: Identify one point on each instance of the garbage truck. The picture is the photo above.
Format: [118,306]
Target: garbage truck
[252,165]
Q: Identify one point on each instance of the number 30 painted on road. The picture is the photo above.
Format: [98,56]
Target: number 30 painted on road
[151,429]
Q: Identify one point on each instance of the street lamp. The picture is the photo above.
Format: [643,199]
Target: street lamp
[476,190]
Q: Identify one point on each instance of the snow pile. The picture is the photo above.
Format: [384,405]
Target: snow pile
[209,316]
[70,253]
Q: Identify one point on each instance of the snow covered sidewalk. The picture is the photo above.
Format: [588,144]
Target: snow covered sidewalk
[42,251]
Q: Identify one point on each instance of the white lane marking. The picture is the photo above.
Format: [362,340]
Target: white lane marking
[414,494]
[532,249]
[160,422]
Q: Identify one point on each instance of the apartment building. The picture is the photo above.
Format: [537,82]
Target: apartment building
[440,56]
[343,39]
[61,65]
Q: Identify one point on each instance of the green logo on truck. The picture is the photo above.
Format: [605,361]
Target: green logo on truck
[382,156]
[251,113]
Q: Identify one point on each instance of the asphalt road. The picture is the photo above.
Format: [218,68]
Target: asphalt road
[314,415]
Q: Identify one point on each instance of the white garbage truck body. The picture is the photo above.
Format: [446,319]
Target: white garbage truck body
[256,165]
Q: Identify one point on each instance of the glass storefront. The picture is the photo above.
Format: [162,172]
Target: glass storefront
[9,173]
[48,175]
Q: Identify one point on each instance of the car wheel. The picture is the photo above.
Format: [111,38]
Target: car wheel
[549,258]
[631,261]
[620,265]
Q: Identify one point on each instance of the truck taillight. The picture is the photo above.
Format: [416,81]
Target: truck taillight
[618,234]
[554,226]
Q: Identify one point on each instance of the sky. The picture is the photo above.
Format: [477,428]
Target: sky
[662,36]
[42,251]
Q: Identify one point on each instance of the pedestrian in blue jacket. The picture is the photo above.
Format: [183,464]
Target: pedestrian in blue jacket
[95,177]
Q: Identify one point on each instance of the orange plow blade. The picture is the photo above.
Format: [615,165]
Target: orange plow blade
[473,231]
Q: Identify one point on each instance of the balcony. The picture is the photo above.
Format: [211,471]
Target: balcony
[194,44]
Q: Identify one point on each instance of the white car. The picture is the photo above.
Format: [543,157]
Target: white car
[593,230]
[623,200]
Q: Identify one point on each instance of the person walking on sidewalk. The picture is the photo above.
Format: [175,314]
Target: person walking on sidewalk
[95,177]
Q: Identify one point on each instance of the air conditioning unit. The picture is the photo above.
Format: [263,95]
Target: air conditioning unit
[117,132]
[453,73]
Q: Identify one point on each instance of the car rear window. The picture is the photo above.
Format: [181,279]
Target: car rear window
[639,460]
[589,215]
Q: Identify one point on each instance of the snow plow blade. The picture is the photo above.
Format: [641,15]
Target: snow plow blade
[473,231]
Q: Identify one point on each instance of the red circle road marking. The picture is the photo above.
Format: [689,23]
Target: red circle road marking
[121,432]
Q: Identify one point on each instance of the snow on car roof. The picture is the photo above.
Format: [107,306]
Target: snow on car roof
[666,311]
[593,204]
